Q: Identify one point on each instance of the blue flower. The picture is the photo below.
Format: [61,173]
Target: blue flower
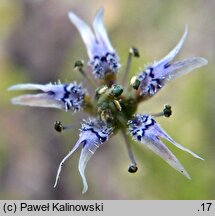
[93,133]
[103,58]
[144,129]
[155,75]
[113,106]
[62,96]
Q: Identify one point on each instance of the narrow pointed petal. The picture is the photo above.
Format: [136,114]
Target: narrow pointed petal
[171,55]
[93,133]
[155,76]
[61,96]
[161,150]
[183,67]
[28,86]
[87,152]
[101,33]
[37,100]
[161,133]
[144,129]
[64,159]
[85,32]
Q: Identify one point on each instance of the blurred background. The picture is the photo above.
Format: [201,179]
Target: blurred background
[38,44]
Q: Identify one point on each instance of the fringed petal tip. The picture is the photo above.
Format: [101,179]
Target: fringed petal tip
[61,96]
[143,128]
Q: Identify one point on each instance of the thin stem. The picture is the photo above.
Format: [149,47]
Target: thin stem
[133,52]
[158,114]
[130,153]
[127,69]
[79,64]
[88,78]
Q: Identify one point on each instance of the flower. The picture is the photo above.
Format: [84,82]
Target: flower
[155,75]
[103,58]
[93,133]
[146,130]
[114,106]
[61,96]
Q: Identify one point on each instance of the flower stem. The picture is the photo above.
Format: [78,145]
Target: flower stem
[59,127]
[133,167]
[79,66]
[132,52]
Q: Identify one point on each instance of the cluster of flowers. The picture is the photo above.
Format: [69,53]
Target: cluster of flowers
[113,107]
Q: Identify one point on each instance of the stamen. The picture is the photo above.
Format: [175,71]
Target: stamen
[102,90]
[58,126]
[133,167]
[135,83]
[117,104]
[167,112]
[132,52]
[117,90]
[79,64]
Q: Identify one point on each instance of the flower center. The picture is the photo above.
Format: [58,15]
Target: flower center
[114,107]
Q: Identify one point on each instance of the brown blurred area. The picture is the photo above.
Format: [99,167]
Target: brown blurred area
[38,44]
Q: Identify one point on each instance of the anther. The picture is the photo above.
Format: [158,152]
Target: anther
[106,115]
[58,126]
[135,83]
[79,64]
[117,90]
[167,111]
[102,90]
[132,168]
[117,105]
[135,52]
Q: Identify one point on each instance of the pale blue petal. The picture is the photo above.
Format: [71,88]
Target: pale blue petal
[64,159]
[171,55]
[183,67]
[101,33]
[161,150]
[28,86]
[89,148]
[93,133]
[158,131]
[61,96]
[154,77]
[85,32]
[144,129]
[37,100]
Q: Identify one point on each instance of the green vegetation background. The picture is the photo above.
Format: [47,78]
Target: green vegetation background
[30,150]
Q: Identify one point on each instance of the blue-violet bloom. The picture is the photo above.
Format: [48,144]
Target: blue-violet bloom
[113,106]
